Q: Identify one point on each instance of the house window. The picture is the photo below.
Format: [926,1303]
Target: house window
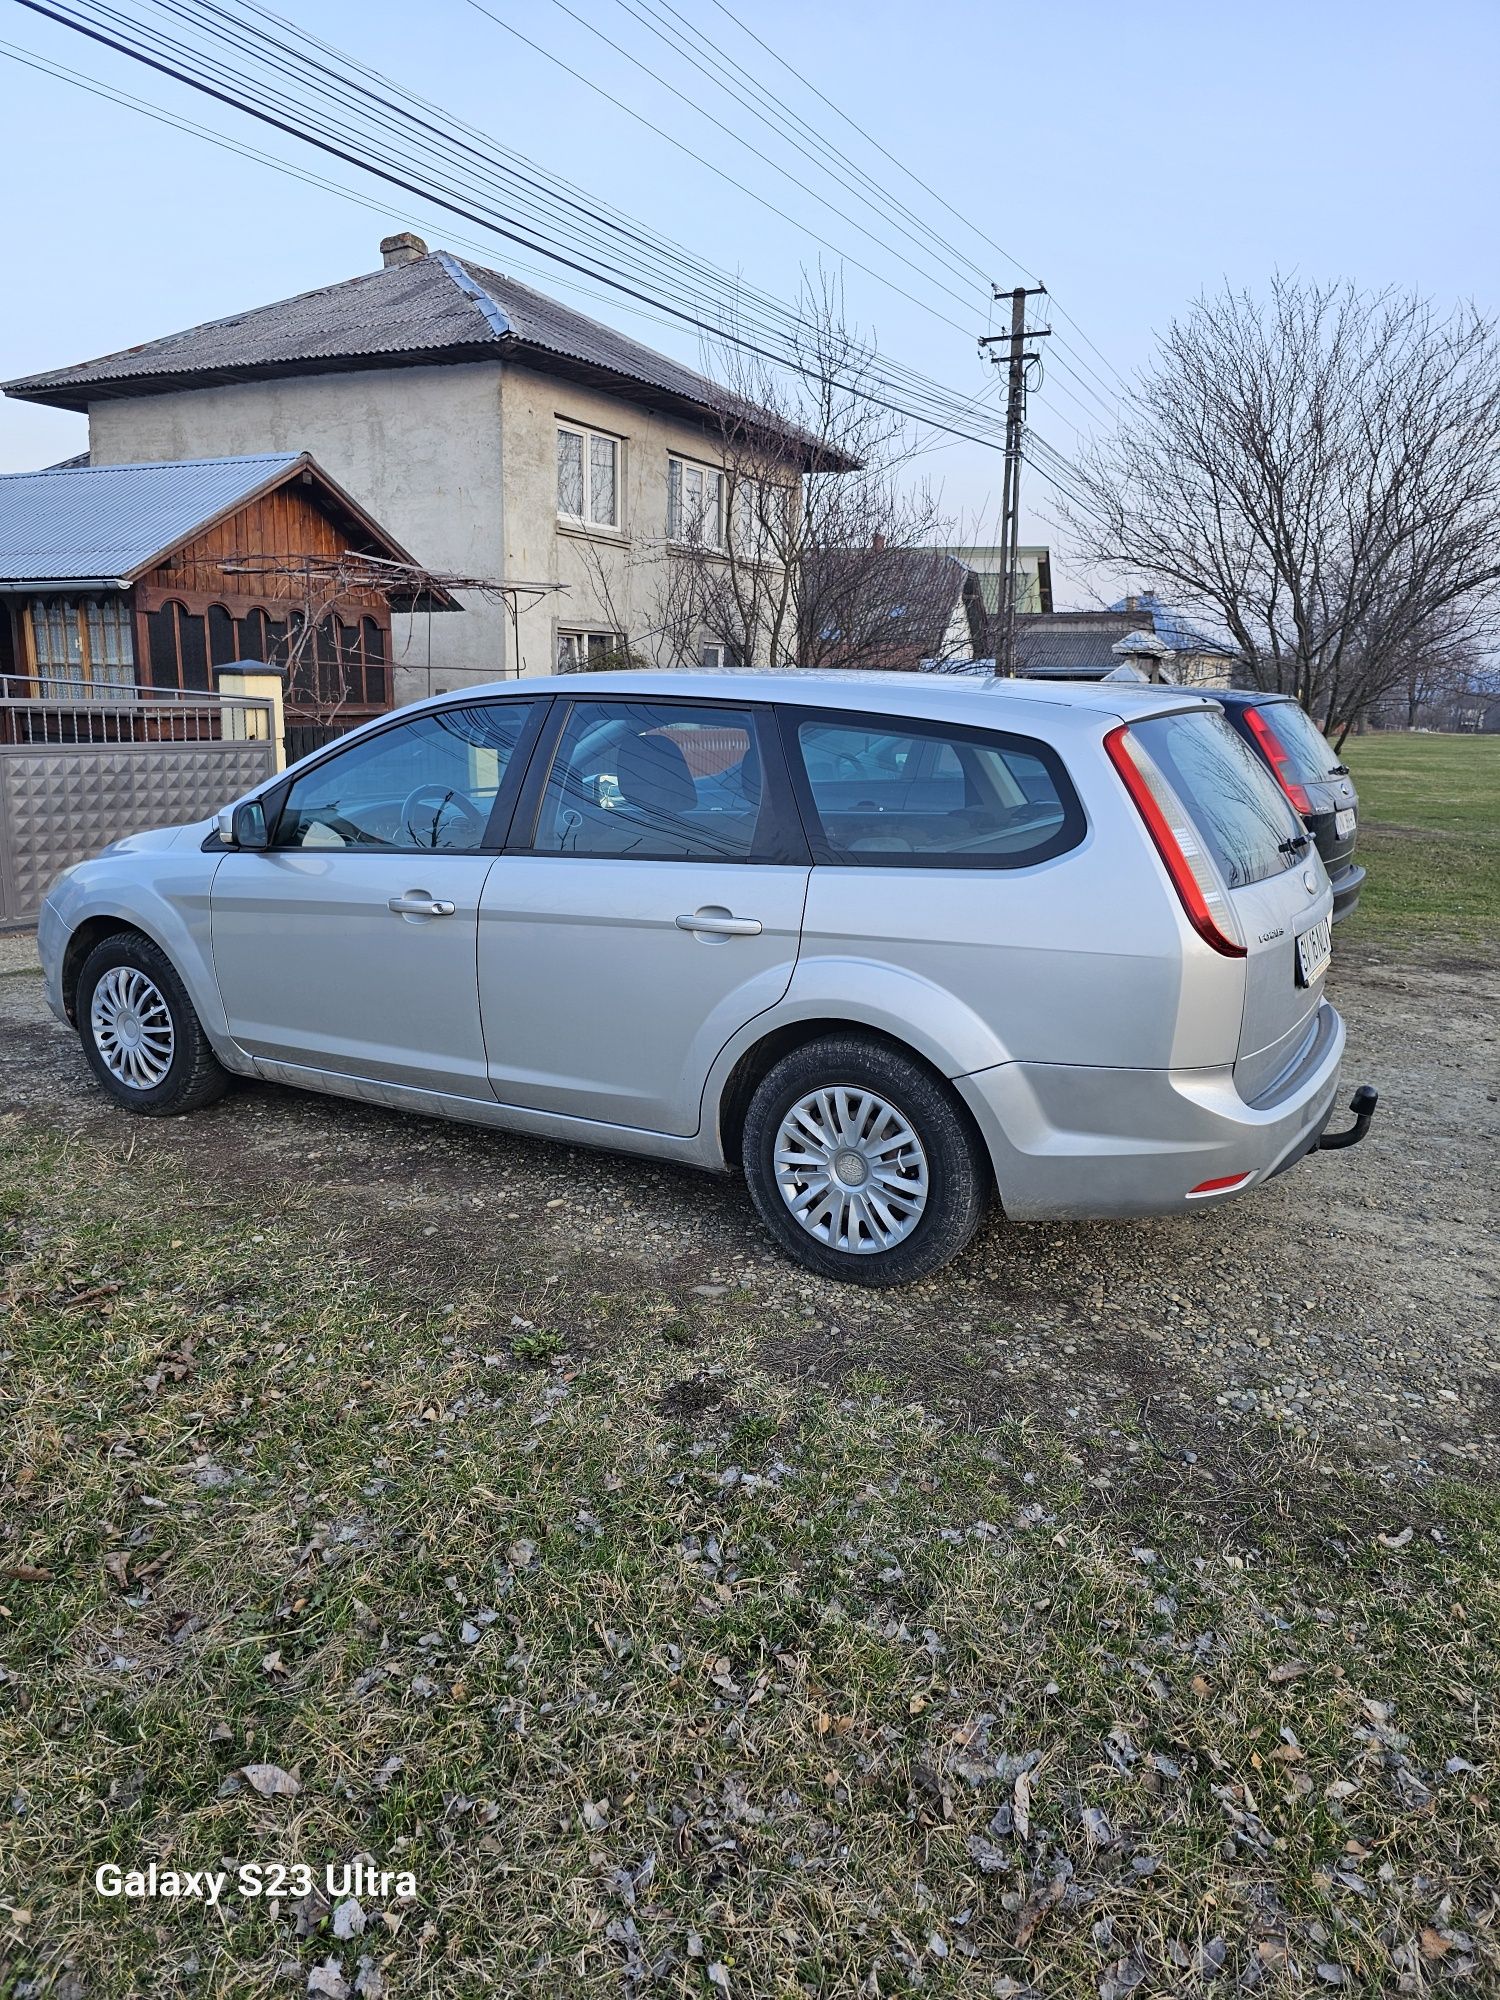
[584,652]
[588,478]
[760,517]
[81,647]
[714,656]
[695,504]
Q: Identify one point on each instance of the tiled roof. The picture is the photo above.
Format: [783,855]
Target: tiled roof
[437,308]
[107,522]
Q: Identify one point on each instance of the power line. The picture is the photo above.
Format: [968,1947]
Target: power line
[935,406]
[582,209]
[916,179]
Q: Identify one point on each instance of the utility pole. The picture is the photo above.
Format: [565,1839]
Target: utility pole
[1017,361]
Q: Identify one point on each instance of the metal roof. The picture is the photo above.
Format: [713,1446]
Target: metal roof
[435,309]
[106,523]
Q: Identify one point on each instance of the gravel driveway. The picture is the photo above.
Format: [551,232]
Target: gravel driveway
[1354,1297]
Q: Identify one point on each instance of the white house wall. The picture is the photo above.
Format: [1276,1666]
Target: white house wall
[459,463]
[613,579]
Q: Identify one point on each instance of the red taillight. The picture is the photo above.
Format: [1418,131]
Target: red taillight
[1177,842]
[1279,758]
[1222,1185]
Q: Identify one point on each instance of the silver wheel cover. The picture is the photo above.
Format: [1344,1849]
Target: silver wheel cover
[851,1170]
[131,1024]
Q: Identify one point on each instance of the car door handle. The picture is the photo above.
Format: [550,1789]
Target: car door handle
[417,903]
[720,925]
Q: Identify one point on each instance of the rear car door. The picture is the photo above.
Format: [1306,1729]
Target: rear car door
[350,945]
[649,906]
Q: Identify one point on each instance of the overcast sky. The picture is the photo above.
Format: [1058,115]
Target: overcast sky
[1128,154]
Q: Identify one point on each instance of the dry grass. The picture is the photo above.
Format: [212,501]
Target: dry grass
[663,1676]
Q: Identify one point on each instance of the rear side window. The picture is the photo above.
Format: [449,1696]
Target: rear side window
[1235,803]
[892,794]
[1311,756]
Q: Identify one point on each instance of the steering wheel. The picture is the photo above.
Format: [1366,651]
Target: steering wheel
[442,796]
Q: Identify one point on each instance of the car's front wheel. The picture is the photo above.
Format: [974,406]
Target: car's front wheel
[142,1038]
[862,1164]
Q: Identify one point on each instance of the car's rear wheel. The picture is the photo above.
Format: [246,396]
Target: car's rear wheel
[862,1164]
[142,1038]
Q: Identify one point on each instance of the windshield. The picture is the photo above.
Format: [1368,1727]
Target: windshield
[1235,803]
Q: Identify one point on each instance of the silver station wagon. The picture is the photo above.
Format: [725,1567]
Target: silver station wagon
[890,944]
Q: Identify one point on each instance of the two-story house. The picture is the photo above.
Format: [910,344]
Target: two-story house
[496,433]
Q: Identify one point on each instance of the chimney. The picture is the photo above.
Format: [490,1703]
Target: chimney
[1131,603]
[877,540]
[402,249]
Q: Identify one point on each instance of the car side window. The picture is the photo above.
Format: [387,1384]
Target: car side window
[902,794]
[654,781]
[427,784]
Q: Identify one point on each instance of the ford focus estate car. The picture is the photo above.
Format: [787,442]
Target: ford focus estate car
[889,945]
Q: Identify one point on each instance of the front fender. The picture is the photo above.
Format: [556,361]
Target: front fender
[166,897]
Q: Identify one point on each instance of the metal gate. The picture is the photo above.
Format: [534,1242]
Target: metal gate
[77,774]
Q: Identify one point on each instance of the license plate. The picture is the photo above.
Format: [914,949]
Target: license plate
[1344,822]
[1314,952]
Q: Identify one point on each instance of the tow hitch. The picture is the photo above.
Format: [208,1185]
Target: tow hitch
[1362,1104]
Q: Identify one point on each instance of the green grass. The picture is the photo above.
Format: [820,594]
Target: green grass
[1429,836]
[665,1676]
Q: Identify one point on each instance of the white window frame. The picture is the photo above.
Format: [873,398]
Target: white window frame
[587,439]
[679,469]
[584,636]
[753,536]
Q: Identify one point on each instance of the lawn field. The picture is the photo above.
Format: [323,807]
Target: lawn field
[1429,836]
[658,1672]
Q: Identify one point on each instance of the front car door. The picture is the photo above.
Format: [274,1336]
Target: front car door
[651,905]
[348,948]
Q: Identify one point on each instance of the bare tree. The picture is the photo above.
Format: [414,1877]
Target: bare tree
[813,469]
[1320,474]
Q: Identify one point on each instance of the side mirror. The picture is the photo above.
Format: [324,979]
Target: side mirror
[247,825]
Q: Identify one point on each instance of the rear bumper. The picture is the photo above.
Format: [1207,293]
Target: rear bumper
[1070,1143]
[1346,886]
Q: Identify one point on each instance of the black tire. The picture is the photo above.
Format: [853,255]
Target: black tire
[958,1171]
[194,1077]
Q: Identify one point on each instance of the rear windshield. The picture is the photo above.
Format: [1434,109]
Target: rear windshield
[1311,756]
[1235,803]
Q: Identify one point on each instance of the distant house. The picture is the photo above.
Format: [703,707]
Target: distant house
[500,434]
[1033,578]
[1193,658]
[1084,645]
[889,609]
[157,575]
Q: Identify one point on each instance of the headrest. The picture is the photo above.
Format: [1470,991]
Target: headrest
[653,776]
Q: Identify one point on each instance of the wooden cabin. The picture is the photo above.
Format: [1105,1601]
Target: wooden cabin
[118,582]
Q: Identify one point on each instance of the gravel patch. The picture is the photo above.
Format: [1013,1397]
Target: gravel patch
[18,952]
[1354,1299]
